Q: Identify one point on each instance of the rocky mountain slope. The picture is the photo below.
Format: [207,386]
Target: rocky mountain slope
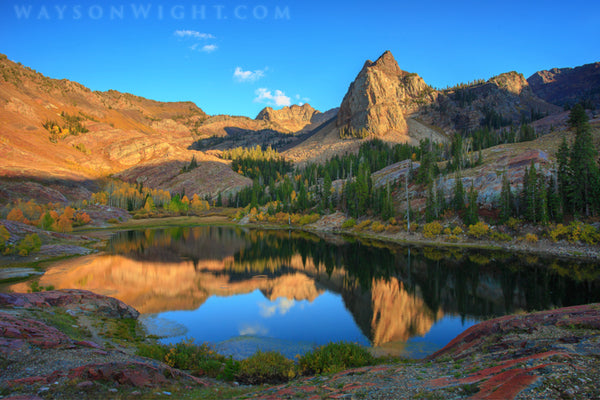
[62,135]
[501,100]
[567,86]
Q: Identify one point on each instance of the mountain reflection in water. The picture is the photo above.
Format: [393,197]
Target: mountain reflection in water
[393,293]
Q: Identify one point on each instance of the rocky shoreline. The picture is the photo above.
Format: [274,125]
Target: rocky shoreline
[60,344]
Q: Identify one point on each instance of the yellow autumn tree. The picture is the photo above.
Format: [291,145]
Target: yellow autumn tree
[63,224]
[69,212]
[31,210]
[149,206]
[100,198]
[199,205]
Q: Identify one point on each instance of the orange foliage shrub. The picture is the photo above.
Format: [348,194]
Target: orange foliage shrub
[83,218]
[69,212]
[63,224]
[16,215]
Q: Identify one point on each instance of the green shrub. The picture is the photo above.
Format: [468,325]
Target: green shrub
[267,367]
[500,237]
[377,227]
[29,244]
[334,357]
[201,359]
[308,219]
[575,230]
[559,232]
[479,230]
[4,236]
[349,223]
[187,355]
[432,229]
[531,238]
[156,351]
[363,225]
[513,223]
[589,234]
[35,287]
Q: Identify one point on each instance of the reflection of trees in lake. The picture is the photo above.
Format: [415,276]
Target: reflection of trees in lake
[477,283]
[392,291]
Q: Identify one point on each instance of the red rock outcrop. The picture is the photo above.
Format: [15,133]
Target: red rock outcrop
[74,300]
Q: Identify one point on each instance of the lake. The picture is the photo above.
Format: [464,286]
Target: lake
[243,289]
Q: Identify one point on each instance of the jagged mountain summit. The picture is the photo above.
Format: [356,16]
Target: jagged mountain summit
[502,100]
[379,99]
[567,86]
[295,118]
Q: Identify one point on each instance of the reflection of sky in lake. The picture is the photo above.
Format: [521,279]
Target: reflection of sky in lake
[321,321]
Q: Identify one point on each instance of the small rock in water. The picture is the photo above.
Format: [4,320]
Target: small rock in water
[113,390]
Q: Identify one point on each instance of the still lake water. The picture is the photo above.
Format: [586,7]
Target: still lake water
[241,288]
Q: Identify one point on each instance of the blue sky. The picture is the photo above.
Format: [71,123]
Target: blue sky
[288,51]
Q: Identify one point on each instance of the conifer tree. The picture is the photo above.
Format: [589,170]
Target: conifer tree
[506,200]
[458,200]
[471,217]
[554,213]
[326,190]
[440,200]
[564,176]
[585,178]
[529,195]
[542,201]
[430,214]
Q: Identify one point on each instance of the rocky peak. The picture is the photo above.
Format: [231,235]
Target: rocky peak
[512,81]
[304,112]
[562,86]
[290,119]
[386,63]
[379,98]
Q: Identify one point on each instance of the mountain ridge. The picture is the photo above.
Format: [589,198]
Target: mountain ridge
[90,134]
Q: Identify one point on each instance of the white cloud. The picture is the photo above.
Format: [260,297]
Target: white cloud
[209,48]
[253,330]
[282,305]
[193,34]
[198,37]
[301,99]
[277,98]
[248,76]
